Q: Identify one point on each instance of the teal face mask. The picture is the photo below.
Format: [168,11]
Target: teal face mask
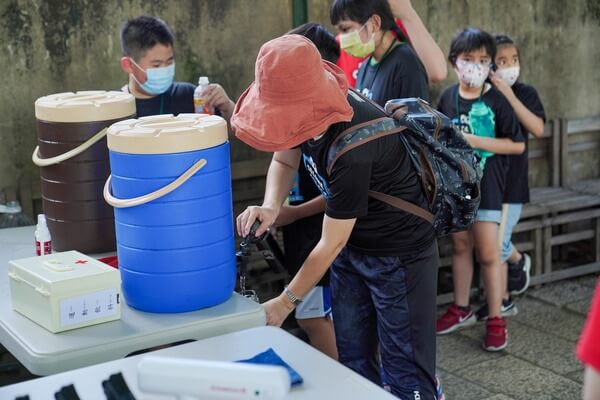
[158,80]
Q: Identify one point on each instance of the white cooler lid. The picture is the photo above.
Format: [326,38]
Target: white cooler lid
[167,134]
[85,106]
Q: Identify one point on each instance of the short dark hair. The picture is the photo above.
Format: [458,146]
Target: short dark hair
[361,10]
[502,39]
[322,38]
[505,40]
[471,39]
[143,33]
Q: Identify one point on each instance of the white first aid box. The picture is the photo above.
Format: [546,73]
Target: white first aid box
[64,291]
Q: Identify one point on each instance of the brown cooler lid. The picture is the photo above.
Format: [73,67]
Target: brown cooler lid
[85,106]
[165,134]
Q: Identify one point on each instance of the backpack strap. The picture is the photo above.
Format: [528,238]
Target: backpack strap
[403,205]
[364,133]
[360,134]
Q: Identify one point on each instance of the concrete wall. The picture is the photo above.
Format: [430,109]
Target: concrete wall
[50,46]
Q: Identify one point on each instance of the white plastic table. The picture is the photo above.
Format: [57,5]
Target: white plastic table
[45,353]
[324,378]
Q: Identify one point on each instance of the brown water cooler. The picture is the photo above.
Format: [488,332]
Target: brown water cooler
[73,160]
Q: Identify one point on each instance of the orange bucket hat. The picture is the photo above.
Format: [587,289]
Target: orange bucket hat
[295,96]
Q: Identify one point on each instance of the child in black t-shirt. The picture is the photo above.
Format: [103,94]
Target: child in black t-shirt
[489,124]
[529,110]
[393,69]
[149,61]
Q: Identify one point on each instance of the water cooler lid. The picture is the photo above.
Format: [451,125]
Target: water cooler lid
[85,106]
[166,134]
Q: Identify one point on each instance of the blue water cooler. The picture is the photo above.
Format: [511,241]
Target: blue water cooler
[170,187]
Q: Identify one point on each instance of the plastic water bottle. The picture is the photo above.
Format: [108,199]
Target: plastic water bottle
[43,242]
[199,102]
[482,123]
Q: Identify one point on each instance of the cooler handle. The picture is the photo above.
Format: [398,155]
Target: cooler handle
[40,289]
[138,201]
[45,162]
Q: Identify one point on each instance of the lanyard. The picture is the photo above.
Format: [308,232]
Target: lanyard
[360,86]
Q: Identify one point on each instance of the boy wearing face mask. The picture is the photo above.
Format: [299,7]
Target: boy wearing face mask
[149,61]
[529,110]
[474,105]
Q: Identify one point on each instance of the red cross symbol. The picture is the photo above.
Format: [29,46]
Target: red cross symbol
[81,262]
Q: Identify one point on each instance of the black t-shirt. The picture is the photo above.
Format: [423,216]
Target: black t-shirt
[399,75]
[178,99]
[518,170]
[382,165]
[493,183]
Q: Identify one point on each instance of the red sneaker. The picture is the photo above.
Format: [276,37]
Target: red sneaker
[496,334]
[454,319]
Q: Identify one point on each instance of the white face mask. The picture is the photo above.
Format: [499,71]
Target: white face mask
[472,74]
[509,75]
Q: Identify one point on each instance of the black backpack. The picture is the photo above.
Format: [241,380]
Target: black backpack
[445,163]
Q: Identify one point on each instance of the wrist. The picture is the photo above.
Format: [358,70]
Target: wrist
[228,107]
[286,302]
[510,95]
[292,297]
[471,140]
[276,209]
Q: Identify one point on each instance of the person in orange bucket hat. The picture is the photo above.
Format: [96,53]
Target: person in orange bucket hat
[292,101]
[383,260]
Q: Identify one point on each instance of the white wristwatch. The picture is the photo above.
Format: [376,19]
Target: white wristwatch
[295,300]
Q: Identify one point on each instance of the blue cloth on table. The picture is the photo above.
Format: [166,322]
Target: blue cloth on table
[269,357]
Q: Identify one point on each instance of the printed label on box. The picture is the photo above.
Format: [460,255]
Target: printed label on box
[88,307]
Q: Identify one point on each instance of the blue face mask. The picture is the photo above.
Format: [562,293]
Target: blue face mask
[158,80]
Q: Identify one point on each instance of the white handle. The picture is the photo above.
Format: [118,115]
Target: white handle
[18,279]
[138,201]
[14,276]
[44,162]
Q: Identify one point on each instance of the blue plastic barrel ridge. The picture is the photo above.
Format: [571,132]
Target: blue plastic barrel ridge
[176,253]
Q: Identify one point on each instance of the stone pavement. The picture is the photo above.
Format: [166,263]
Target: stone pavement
[539,362]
